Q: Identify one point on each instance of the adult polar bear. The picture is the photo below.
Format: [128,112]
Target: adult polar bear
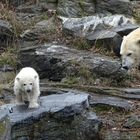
[26,87]
[130,50]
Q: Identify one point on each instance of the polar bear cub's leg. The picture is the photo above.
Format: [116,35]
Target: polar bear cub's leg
[18,99]
[34,100]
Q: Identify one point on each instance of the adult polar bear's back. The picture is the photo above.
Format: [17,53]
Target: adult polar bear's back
[26,87]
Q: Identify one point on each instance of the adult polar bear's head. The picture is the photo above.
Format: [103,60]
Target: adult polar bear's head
[130,50]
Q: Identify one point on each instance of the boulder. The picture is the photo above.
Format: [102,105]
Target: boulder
[6,33]
[77,8]
[14,3]
[60,116]
[80,8]
[55,62]
[114,7]
[42,28]
[108,101]
[100,31]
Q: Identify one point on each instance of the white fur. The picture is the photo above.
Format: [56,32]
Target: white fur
[130,49]
[26,87]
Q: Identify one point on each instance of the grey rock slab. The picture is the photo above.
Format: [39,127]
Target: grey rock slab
[80,8]
[4,126]
[125,29]
[41,28]
[49,104]
[100,31]
[14,3]
[77,8]
[85,25]
[6,33]
[111,101]
[114,7]
[135,91]
[102,66]
[60,116]
[34,8]
[55,62]
[6,68]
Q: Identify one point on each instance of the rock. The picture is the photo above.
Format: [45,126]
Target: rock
[59,117]
[118,103]
[73,8]
[55,62]
[80,8]
[6,33]
[125,29]
[6,95]
[4,126]
[6,68]
[124,93]
[134,91]
[133,122]
[84,26]
[106,31]
[114,7]
[42,28]
[29,8]
[102,67]
[14,3]
[36,7]
[121,135]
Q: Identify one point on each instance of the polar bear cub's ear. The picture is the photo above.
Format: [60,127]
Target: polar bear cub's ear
[17,78]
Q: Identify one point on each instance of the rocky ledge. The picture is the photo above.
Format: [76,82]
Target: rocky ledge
[59,117]
[55,62]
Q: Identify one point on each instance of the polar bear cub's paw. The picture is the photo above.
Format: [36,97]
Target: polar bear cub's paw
[33,105]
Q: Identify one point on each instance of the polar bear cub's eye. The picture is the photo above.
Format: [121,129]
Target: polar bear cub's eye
[24,84]
[129,54]
[31,83]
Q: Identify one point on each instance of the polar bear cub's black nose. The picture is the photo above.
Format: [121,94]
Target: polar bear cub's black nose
[28,90]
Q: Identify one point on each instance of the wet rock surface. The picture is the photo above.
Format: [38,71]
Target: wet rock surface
[62,116]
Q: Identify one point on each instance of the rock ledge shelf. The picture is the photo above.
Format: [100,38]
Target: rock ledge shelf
[60,117]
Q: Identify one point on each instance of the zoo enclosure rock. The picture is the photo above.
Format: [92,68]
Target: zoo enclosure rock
[55,62]
[100,31]
[80,8]
[6,33]
[62,116]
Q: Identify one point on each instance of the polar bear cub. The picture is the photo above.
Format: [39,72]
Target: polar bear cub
[26,87]
[130,50]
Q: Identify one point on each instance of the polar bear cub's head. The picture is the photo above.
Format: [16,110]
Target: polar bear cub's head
[27,80]
[27,83]
[130,50]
